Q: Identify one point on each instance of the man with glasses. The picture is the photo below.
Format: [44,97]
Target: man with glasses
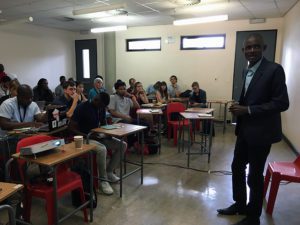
[69,98]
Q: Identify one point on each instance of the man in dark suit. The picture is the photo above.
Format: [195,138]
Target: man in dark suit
[263,98]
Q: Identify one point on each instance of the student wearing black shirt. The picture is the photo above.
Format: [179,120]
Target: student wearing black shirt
[90,115]
[198,96]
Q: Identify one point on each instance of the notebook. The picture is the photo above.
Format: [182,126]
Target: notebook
[56,118]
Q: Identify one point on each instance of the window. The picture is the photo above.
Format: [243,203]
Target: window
[143,44]
[86,63]
[202,42]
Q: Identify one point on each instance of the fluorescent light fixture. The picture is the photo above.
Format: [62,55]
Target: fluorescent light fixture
[97,9]
[114,19]
[208,19]
[18,21]
[108,29]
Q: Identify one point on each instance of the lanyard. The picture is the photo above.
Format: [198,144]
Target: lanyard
[24,115]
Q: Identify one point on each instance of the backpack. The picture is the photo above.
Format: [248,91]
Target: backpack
[185,94]
[80,166]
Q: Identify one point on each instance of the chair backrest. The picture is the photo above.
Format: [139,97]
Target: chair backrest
[297,161]
[26,142]
[173,108]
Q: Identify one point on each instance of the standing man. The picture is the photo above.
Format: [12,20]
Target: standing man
[263,98]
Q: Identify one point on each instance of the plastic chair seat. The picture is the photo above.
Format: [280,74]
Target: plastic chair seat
[280,171]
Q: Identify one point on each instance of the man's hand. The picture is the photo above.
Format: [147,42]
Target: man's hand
[238,110]
[75,97]
[128,119]
[36,124]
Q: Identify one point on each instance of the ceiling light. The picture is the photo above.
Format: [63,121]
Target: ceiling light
[108,29]
[97,9]
[112,19]
[208,19]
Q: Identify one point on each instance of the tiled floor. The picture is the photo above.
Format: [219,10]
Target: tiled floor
[176,196]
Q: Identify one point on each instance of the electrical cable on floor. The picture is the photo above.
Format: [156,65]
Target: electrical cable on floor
[223,172]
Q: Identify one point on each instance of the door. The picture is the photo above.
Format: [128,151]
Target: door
[86,61]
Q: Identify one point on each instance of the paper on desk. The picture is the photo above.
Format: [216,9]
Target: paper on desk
[204,115]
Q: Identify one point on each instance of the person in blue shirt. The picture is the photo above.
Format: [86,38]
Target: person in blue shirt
[98,88]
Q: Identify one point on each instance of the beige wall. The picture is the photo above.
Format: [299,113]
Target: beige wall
[291,62]
[32,52]
[212,68]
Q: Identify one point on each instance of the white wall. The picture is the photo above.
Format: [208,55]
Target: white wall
[291,62]
[212,68]
[32,52]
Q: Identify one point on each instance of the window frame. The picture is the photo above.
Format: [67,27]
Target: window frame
[200,36]
[142,39]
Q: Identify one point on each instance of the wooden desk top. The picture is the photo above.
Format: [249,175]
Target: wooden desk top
[123,130]
[26,133]
[179,99]
[219,101]
[196,116]
[150,111]
[200,110]
[152,105]
[58,155]
[8,189]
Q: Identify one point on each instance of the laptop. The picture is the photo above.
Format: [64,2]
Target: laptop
[56,118]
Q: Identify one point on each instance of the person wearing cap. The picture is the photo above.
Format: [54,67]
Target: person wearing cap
[98,83]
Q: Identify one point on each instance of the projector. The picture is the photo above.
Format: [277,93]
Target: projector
[41,147]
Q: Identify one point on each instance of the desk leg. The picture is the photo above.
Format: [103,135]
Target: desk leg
[91,184]
[179,136]
[159,133]
[142,158]
[225,117]
[189,144]
[121,168]
[55,194]
[210,139]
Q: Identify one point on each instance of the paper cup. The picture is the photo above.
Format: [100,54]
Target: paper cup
[78,142]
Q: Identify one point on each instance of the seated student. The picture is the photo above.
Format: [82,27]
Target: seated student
[142,98]
[152,88]
[198,96]
[121,103]
[69,99]
[98,83]
[2,73]
[174,89]
[41,92]
[162,95]
[140,93]
[4,86]
[59,91]
[13,86]
[102,89]
[131,85]
[90,115]
[20,111]
[80,91]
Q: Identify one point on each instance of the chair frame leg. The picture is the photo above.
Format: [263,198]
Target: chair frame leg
[273,192]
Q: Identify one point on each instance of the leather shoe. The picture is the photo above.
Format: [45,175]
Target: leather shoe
[232,210]
[248,221]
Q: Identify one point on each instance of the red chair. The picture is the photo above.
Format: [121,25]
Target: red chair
[176,107]
[67,181]
[280,171]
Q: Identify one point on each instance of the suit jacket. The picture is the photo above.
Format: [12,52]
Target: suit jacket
[266,96]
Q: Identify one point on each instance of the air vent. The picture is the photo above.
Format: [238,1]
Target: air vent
[64,19]
[185,2]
